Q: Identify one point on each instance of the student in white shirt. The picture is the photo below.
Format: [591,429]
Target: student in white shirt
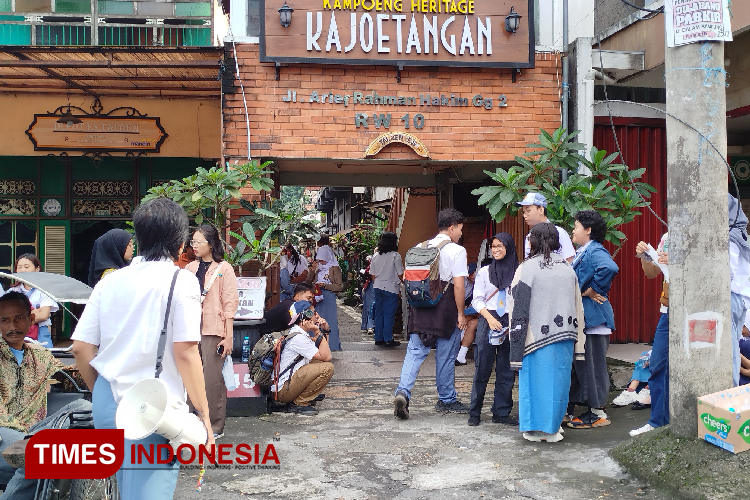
[42,305]
[305,365]
[491,290]
[534,210]
[115,343]
[293,271]
[440,325]
[387,270]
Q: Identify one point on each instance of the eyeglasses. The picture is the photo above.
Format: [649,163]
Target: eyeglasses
[195,243]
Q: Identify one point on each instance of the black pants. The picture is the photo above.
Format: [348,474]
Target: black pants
[486,356]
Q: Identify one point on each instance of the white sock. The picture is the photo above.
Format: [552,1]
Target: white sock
[461,358]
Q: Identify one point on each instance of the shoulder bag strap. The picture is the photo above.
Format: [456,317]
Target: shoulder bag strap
[163,335]
[216,274]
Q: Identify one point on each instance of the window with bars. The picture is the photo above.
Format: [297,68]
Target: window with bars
[106,22]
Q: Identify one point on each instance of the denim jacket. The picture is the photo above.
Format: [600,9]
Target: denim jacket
[596,269]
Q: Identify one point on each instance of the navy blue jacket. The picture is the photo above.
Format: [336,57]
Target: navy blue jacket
[596,269]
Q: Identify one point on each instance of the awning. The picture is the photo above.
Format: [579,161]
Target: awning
[174,72]
[58,287]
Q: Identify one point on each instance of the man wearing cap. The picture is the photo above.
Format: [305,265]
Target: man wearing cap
[305,366]
[534,210]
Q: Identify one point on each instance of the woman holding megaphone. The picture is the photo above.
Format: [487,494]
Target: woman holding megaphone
[143,322]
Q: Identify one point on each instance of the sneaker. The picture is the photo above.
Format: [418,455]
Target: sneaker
[460,363]
[640,406]
[319,397]
[401,403]
[625,398]
[473,421]
[392,343]
[641,430]
[218,435]
[539,436]
[588,420]
[507,420]
[278,407]
[303,410]
[454,407]
[644,397]
[380,342]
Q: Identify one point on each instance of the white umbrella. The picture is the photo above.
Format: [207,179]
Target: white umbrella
[58,287]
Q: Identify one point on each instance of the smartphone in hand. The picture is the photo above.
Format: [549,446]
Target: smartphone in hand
[220,350]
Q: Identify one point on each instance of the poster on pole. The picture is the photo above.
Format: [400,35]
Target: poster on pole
[252,292]
[690,21]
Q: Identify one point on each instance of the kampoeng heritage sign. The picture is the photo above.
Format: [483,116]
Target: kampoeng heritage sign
[399,32]
[119,130]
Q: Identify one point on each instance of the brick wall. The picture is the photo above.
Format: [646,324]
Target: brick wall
[323,130]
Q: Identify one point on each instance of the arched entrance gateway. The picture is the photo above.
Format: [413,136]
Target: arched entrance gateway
[406,94]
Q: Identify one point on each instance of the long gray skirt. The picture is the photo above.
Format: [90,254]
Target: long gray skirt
[589,382]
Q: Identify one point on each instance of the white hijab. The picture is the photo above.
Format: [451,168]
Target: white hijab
[325,253]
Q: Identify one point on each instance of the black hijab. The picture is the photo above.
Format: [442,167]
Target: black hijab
[503,270]
[108,253]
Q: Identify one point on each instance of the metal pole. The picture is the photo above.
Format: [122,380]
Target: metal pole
[700,326]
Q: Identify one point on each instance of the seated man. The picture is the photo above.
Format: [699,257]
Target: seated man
[278,317]
[305,366]
[25,371]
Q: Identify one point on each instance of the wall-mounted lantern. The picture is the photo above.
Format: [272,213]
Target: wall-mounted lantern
[285,13]
[512,21]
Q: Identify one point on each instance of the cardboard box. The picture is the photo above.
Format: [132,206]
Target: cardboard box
[724,419]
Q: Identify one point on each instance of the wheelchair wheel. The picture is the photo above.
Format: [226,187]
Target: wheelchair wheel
[94,489]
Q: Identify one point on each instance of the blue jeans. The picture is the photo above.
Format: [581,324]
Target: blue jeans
[659,380]
[738,321]
[386,304]
[445,368]
[287,288]
[17,487]
[44,337]
[135,481]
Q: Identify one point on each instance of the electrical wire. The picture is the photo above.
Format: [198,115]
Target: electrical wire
[680,120]
[242,88]
[653,11]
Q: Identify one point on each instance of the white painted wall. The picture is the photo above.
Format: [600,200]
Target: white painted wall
[550,22]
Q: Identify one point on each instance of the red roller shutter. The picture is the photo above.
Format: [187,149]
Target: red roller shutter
[635,299]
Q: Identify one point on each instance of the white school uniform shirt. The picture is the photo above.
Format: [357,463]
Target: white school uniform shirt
[125,315]
[299,345]
[387,268]
[37,299]
[453,263]
[300,268]
[566,246]
[483,289]
[739,270]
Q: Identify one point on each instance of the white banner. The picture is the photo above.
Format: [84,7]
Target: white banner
[690,21]
[252,293]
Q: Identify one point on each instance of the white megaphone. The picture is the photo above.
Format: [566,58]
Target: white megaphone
[148,407]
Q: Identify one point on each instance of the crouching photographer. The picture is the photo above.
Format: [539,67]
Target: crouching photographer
[305,365]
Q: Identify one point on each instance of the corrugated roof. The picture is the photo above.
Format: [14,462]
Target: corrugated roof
[113,71]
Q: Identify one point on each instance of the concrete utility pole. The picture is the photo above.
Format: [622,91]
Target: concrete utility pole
[700,326]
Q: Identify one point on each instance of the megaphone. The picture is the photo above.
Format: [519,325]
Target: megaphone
[148,407]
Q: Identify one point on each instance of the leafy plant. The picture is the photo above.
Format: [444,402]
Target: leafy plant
[212,191]
[249,248]
[291,222]
[608,189]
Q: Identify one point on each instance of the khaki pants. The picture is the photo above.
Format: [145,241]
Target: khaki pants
[306,383]
[216,391]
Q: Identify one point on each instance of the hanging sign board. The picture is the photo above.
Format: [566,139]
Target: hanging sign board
[399,32]
[96,133]
[252,292]
[690,21]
